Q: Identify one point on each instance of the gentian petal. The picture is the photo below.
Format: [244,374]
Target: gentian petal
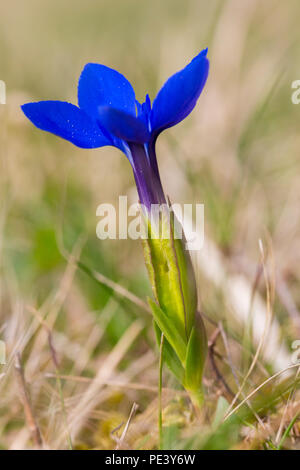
[67,121]
[139,108]
[102,86]
[123,125]
[179,95]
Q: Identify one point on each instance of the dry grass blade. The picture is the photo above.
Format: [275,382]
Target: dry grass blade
[263,337]
[101,278]
[25,397]
[122,438]
[90,398]
[117,384]
[250,395]
[114,286]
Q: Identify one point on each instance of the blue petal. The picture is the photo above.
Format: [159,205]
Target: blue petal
[123,125]
[146,106]
[67,121]
[179,95]
[139,108]
[144,110]
[102,86]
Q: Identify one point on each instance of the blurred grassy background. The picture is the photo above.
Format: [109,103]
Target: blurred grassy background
[238,153]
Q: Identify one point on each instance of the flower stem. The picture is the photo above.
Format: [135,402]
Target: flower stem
[197,399]
[160,430]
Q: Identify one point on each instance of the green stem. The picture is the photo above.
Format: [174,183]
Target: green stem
[197,398]
[160,429]
[288,429]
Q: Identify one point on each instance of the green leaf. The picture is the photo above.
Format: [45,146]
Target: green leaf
[169,356]
[186,275]
[195,356]
[169,330]
[171,273]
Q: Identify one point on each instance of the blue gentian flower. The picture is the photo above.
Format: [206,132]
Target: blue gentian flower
[109,114]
